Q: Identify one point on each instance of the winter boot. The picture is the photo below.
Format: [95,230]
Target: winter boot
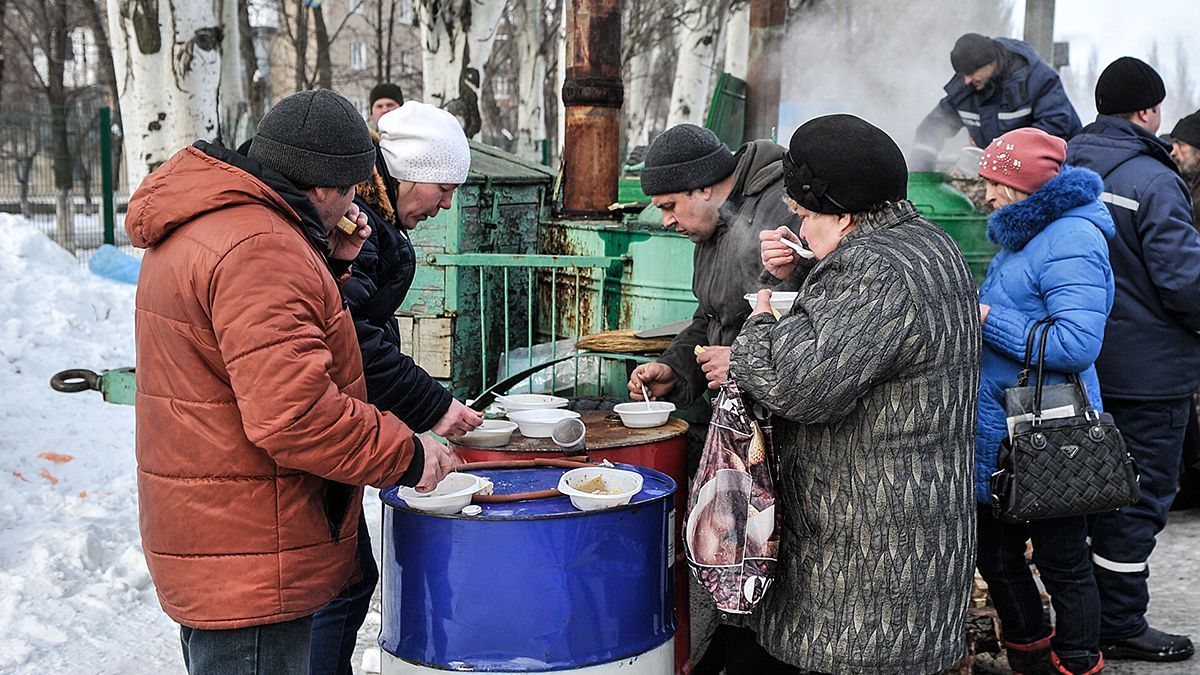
[1031,658]
[1080,665]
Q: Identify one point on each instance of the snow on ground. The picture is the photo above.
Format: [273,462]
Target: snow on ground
[74,590]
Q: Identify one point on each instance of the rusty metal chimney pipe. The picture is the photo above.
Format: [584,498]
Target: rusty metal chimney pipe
[768,21]
[592,96]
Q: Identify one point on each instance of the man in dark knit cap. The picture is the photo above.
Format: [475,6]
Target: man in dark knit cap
[385,97]
[1185,148]
[1149,365]
[999,85]
[721,201]
[253,432]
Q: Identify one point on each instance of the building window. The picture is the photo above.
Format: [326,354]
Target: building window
[501,87]
[358,7]
[404,11]
[406,63]
[358,55]
[360,104]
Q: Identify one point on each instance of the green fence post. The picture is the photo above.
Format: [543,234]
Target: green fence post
[106,176]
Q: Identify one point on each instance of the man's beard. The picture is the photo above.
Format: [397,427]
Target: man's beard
[1190,170]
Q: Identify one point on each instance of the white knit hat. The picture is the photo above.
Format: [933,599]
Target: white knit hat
[422,143]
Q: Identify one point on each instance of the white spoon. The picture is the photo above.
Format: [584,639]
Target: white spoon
[799,249]
[646,397]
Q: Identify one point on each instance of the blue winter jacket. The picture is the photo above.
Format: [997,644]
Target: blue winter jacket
[1152,350]
[1053,262]
[1025,92]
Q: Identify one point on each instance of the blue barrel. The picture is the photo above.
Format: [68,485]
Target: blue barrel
[531,586]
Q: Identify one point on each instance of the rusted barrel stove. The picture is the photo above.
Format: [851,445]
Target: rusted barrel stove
[661,448]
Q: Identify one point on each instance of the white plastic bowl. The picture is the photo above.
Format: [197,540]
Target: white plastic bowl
[519,402]
[490,434]
[637,415]
[629,483]
[539,423]
[450,495]
[781,301]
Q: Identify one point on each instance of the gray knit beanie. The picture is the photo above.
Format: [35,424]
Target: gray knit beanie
[315,139]
[685,157]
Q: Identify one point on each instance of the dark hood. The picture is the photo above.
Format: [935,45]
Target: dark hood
[759,164]
[1111,141]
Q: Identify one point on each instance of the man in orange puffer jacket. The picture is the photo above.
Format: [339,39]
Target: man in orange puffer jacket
[253,435]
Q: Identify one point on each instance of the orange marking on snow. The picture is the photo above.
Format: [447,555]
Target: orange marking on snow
[83,495]
[57,458]
[48,476]
[19,475]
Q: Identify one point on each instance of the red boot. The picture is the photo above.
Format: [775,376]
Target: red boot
[1031,658]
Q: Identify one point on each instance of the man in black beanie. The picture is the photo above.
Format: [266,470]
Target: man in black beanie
[1185,148]
[254,436]
[385,97]
[721,201]
[1149,364]
[999,85]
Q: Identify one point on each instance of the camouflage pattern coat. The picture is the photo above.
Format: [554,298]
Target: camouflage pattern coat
[873,377]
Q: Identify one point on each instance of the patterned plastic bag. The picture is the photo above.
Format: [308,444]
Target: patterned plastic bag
[731,536]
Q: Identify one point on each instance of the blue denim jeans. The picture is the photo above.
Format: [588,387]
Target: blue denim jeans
[335,626]
[1061,554]
[272,649]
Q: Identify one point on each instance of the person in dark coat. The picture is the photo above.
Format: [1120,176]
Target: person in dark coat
[721,201]
[1149,365]
[999,85]
[422,157]
[872,378]
[1185,149]
[1053,231]
[385,97]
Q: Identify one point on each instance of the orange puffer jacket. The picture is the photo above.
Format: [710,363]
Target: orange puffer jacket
[251,420]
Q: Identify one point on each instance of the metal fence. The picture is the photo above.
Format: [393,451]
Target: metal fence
[83,207]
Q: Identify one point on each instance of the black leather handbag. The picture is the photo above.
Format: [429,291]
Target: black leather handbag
[1065,466]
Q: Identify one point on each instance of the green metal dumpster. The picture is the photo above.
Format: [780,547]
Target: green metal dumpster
[445,322]
[940,202]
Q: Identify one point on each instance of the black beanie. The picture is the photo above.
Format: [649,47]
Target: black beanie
[1187,130]
[1128,85]
[315,139]
[386,90]
[972,52]
[685,157]
[843,164]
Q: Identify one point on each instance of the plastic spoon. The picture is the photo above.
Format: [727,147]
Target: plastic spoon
[800,250]
[646,396]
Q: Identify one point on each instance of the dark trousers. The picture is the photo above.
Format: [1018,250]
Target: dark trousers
[275,648]
[1123,540]
[736,651]
[1060,552]
[335,626]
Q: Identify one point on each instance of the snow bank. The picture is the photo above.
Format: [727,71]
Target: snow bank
[74,590]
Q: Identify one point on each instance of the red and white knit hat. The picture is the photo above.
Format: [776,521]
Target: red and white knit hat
[1023,159]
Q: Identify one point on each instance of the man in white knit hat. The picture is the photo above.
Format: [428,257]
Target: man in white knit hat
[423,157]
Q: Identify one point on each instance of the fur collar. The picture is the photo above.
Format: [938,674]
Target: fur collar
[1016,224]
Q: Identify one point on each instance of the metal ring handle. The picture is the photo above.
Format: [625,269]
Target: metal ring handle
[71,381]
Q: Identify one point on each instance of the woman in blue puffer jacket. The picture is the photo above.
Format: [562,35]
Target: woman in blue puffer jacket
[1053,231]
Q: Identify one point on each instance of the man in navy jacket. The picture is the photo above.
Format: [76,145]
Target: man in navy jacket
[999,85]
[1149,365]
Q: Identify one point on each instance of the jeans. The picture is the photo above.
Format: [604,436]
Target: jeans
[1060,552]
[1123,540]
[274,648]
[335,626]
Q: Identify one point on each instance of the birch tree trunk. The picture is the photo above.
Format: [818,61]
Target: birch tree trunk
[698,37]
[457,36]
[637,98]
[173,83]
[737,41]
[531,78]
